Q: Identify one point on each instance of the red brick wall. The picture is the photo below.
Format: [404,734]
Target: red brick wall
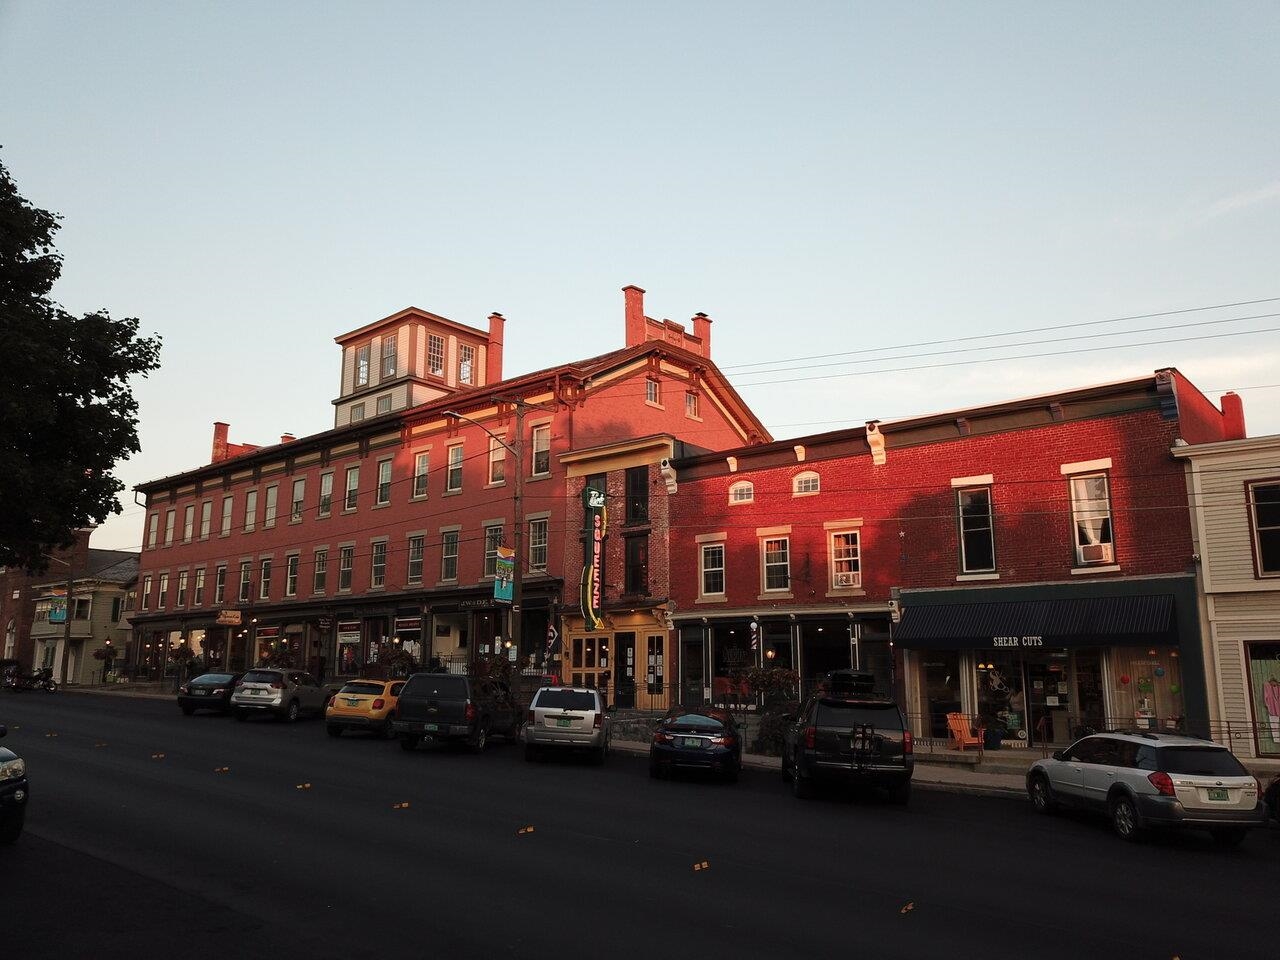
[18,599]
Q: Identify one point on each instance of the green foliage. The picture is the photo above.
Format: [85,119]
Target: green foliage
[67,411]
[774,721]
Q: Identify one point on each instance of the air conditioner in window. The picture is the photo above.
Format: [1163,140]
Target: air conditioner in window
[1097,553]
[846,579]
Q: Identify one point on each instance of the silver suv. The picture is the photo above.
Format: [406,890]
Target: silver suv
[285,693]
[1144,780]
[567,718]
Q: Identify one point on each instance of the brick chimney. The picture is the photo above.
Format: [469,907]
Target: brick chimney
[1233,417]
[219,442]
[287,438]
[702,330]
[493,363]
[635,314]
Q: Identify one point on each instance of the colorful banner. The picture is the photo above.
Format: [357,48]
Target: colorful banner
[504,575]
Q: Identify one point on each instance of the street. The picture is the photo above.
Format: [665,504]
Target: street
[155,834]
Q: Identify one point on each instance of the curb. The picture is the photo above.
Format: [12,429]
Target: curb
[135,694]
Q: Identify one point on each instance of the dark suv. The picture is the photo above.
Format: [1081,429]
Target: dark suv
[845,734]
[452,708]
[13,793]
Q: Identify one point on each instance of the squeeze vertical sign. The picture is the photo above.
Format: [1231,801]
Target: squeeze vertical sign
[595,522]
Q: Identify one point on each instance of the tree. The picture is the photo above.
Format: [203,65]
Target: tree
[67,411]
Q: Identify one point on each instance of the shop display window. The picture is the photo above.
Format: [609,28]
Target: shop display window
[1262,660]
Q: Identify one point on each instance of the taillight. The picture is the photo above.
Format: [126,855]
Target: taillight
[1163,783]
[379,704]
[184,689]
[218,692]
[332,697]
[598,721]
[810,737]
[908,743]
[531,717]
[726,740]
[662,737]
[470,713]
[277,685]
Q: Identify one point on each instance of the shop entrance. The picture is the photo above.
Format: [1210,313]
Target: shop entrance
[691,671]
[624,656]
[589,661]
[1040,697]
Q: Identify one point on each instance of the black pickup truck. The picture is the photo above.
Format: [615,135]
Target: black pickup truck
[452,708]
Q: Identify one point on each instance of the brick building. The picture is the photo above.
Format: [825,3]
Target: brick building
[383,534]
[18,596]
[1037,554]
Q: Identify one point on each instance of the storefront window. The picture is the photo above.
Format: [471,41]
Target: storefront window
[1002,703]
[1146,688]
[824,646]
[938,676]
[731,657]
[1263,663]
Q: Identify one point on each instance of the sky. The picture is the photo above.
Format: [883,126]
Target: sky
[251,180]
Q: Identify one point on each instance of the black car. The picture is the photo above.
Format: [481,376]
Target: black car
[13,793]
[209,691]
[696,739]
[450,708]
[847,735]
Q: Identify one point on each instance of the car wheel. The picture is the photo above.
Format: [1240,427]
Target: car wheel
[409,743]
[188,711]
[801,788]
[242,715]
[333,730]
[1228,836]
[1124,819]
[11,828]
[481,739]
[900,793]
[1041,797]
[291,712]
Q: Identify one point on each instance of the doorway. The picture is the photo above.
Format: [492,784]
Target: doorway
[624,657]
[691,669]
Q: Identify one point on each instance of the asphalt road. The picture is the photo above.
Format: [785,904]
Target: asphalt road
[137,845]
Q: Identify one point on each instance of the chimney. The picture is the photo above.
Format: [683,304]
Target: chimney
[1232,417]
[493,363]
[220,441]
[287,438]
[702,330]
[635,314]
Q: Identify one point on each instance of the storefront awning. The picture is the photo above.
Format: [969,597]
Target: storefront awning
[1080,622]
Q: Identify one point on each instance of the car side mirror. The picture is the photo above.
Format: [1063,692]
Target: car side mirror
[1059,755]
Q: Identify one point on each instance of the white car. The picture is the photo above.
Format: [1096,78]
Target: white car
[1151,780]
[567,718]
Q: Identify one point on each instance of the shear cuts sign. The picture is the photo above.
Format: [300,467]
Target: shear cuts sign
[594,526]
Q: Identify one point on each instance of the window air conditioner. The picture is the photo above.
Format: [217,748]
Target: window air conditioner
[846,579]
[1096,553]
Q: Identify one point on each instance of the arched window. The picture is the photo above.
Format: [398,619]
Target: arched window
[742,492]
[803,484]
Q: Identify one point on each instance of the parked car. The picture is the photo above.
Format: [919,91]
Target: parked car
[14,793]
[696,739]
[1148,780]
[363,705]
[846,734]
[209,691]
[286,694]
[567,718]
[446,707]
[1272,799]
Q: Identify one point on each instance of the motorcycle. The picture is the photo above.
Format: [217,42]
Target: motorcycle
[41,679]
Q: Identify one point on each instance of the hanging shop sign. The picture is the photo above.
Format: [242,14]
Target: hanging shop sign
[228,618]
[595,524]
[504,575]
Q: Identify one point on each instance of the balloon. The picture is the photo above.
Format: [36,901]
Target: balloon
[1124,678]
[1159,671]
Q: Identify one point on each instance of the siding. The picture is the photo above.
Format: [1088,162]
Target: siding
[1228,544]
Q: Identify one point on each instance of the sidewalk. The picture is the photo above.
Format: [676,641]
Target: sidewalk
[140,691]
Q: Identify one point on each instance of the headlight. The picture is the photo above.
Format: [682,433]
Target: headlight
[13,769]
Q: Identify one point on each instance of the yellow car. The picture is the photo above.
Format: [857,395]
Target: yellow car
[363,705]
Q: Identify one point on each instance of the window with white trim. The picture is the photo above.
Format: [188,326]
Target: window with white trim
[246,580]
[170,519]
[384,482]
[319,571]
[449,555]
[357,412]
[144,600]
[153,529]
[652,391]
[291,575]
[416,545]
[198,599]
[227,504]
[691,404]
[1264,515]
[326,493]
[384,403]
[250,511]
[542,450]
[220,584]
[182,589]
[497,461]
[388,361]
[188,523]
[162,593]
[206,519]
[846,560]
[1091,518]
[803,484]
[362,367]
[466,363]
[492,541]
[346,562]
[775,556]
[453,476]
[977,531]
[269,508]
[353,488]
[378,564]
[421,462]
[298,500]
[264,580]
[712,569]
[538,544]
[435,355]
[743,491]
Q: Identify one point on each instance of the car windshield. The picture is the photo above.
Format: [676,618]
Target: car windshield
[695,721]
[845,715]
[262,676]
[436,685]
[566,700]
[369,689]
[1206,761]
[213,678]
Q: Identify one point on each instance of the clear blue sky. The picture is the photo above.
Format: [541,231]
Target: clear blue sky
[251,179]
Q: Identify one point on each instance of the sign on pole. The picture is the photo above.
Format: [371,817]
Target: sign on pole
[504,575]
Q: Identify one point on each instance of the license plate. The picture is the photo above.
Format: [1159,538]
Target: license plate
[690,742]
[1219,793]
[353,703]
[563,721]
[201,693]
[430,726]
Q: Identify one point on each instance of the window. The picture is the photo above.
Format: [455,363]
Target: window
[384,483]
[227,503]
[655,668]
[182,589]
[80,608]
[846,566]
[420,464]
[636,573]
[415,559]
[206,519]
[199,593]
[250,510]
[346,560]
[117,607]
[220,584]
[497,461]
[466,362]
[453,479]
[388,363]
[326,493]
[691,404]
[353,488]
[297,500]
[188,523]
[538,544]
[291,575]
[435,355]
[1264,514]
[246,581]
[652,392]
[384,403]
[357,412]
[1091,513]
[742,492]
[362,369]
[637,495]
[269,512]
[264,581]
[449,555]
[492,541]
[153,529]
[542,450]
[170,518]
[777,563]
[804,484]
[145,600]
[712,569]
[977,533]
[378,564]
[320,572]
[162,594]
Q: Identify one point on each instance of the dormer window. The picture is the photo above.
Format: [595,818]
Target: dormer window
[435,355]
[362,366]
[805,484]
[466,363]
[388,357]
[742,492]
